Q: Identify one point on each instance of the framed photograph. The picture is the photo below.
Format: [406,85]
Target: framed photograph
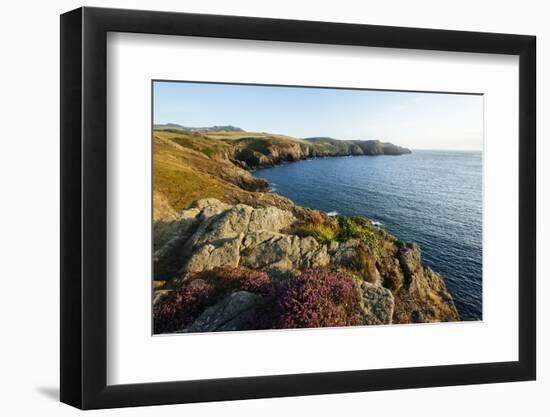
[257,208]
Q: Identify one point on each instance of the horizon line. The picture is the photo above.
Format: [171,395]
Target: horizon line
[307,137]
[442,149]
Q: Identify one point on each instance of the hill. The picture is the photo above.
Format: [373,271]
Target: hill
[187,168]
[357,147]
[213,162]
[253,150]
[175,126]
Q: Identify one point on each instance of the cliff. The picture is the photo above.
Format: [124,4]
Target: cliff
[229,255]
[254,150]
[255,256]
[336,147]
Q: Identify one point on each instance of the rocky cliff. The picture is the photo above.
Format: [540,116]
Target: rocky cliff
[254,150]
[226,266]
[212,162]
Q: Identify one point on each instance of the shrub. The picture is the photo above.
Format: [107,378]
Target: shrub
[400,243]
[358,228]
[317,298]
[361,221]
[249,280]
[181,307]
[318,226]
[227,280]
[315,218]
[313,298]
[321,233]
[349,229]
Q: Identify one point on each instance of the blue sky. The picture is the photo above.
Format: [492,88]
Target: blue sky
[414,120]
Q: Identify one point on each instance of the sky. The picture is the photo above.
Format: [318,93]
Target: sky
[414,120]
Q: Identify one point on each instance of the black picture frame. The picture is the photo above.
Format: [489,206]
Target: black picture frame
[84,207]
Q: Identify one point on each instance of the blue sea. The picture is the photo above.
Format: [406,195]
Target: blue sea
[433,198]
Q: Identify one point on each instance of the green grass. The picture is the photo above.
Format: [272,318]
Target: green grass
[260,145]
[359,228]
[181,187]
[196,141]
[348,228]
[400,243]
[181,176]
[321,233]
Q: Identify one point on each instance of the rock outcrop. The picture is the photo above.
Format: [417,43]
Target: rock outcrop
[274,152]
[211,235]
[420,284]
[378,304]
[234,312]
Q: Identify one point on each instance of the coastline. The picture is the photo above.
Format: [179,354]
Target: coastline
[213,232]
[412,207]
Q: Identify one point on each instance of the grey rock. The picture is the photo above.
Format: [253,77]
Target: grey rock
[168,258]
[276,251]
[220,221]
[410,259]
[378,304]
[222,253]
[262,250]
[346,252]
[229,236]
[423,296]
[227,224]
[207,217]
[164,231]
[173,242]
[312,254]
[211,203]
[271,219]
[234,312]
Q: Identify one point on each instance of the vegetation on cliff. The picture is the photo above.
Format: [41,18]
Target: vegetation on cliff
[313,298]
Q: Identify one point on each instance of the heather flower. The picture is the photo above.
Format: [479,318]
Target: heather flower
[181,307]
[317,298]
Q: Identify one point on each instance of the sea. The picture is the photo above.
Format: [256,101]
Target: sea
[433,198]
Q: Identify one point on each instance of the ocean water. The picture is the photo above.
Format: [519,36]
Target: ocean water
[433,198]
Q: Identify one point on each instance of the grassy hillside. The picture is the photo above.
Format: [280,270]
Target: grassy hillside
[195,163]
[188,167]
[259,149]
